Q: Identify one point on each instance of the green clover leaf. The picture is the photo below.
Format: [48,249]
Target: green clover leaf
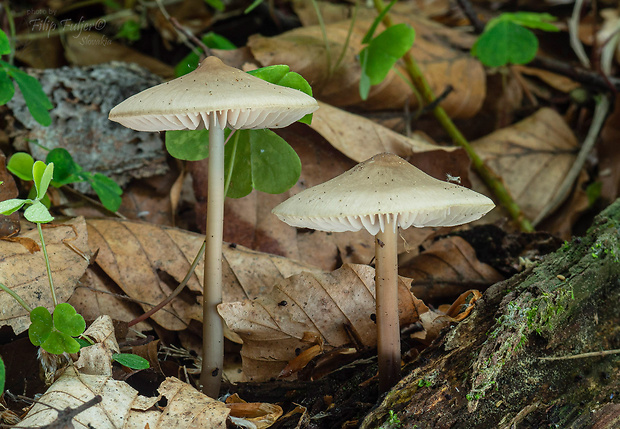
[68,321]
[21,165]
[42,176]
[58,343]
[263,161]
[66,170]
[9,206]
[55,333]
[38,213]
[378,58]
[41,325]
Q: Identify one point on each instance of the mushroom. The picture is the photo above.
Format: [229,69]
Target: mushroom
[381,194]
[213,97]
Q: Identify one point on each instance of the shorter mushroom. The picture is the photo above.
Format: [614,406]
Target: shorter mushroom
[381,194]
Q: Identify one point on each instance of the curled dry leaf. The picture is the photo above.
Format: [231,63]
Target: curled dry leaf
[97,358]
[148,261]
[26,274]
[123,408]
[532,157]
[447,268]
[261,415]
[331,307]
[362,138]
[304,50]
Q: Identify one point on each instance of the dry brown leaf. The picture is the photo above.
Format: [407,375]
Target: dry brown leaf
[97,358]
[557,81]
[26,274]
[97,294]
[249,220]
[446,269]
[133,254]
[304,50]
[360,139]
[261,415]
[90,48]
[532,157]
[122,408]
[275,327]
[334,12]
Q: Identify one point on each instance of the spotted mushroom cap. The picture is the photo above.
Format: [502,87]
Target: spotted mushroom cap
[238,100]
[381,188]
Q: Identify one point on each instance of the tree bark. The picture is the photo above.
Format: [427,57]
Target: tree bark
[492,370]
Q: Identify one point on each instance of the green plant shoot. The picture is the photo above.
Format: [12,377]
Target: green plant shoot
[254,159]
[506,40]
[53,333]
[67,171]
[37,102]
[383,51]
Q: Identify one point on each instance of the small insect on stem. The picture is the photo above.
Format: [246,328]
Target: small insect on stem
[453,179]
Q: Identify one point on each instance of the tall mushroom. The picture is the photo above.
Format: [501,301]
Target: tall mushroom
[381,194]
[213,97]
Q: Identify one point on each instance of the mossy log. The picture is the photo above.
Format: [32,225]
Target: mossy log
[517,361]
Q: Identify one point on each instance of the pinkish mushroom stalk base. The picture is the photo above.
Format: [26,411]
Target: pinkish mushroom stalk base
[212,330]
[388,324]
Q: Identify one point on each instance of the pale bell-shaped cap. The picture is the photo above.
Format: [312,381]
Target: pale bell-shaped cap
[237,100]
[384,187]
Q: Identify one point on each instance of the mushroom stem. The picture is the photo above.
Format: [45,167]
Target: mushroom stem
[212,331]
[388,330]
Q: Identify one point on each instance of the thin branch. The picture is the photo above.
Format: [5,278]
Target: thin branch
[470,13]
[600,114]
[582,355]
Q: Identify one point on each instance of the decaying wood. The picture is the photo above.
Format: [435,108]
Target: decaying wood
[489,371]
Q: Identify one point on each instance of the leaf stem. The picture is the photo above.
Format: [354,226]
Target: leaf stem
[47,265]
[16,297]
[492,180]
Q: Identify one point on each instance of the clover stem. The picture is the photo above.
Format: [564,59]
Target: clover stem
[47,265]
[388,329]
[16,297]
[212,330]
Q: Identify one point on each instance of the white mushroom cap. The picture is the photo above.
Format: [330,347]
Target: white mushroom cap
[237,99]
[381,188]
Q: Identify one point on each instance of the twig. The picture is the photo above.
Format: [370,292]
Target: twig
[206,50]
[582,355]
[470,13]
[583,76]
[600,114]
[573,31]
[92,201]
[492,180]
[174,293]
